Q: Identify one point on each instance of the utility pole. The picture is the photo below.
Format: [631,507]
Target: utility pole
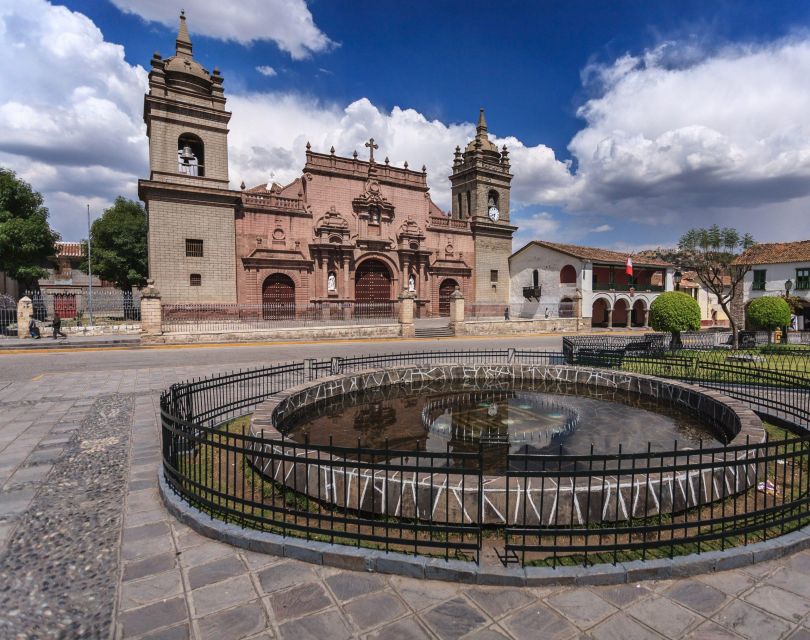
[89,270]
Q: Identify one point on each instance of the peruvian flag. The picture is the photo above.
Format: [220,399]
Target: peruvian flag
[629,267]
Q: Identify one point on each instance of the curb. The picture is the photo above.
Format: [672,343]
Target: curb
[394,563]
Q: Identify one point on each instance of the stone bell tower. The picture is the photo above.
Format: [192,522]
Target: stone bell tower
[480,184]
[190,208]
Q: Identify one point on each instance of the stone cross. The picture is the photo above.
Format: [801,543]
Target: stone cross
[371,146]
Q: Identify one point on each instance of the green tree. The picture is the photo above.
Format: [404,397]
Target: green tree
[714,254]
[118,245]
[674,312]
[26,238]
[769,313]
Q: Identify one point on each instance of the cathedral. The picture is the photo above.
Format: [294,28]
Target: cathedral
[347,230]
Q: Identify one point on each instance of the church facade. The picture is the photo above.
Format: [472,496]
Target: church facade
[347,230]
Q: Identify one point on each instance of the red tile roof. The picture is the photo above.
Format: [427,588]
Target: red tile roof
[69,249]
[594,254]
[776,252]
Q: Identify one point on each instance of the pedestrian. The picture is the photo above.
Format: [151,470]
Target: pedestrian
[33,329]
[57,326]
[506,313]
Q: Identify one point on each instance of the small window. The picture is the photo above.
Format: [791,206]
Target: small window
[195,280]
[535,278]
[803,278]
[469,205]
[194,248]
[493,275]
[759,280]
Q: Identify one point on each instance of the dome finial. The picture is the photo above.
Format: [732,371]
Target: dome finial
[183,41]
[482,121]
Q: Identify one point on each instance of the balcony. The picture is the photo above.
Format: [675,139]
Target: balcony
[612,286]
[531,292]
[758,286]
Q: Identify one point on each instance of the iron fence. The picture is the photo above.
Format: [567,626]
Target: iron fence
[740,493]
[206,318]
[75,304]
[520,311]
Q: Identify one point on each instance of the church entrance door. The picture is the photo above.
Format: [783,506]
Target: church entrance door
[372,290]
[278,297]
[445,289]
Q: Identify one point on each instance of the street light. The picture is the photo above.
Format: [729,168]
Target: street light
[788,287]
[677,278]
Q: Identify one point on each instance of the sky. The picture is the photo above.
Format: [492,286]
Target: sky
[628,122]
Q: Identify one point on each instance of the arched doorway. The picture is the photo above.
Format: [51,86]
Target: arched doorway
[638,313]
[278,297]
[599,313]
[446,288]
[620,311]
[372,289]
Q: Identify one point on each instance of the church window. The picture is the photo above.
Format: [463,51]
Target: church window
[374,215]
[493,275]
[190,155]
[194,248]
[492,199]
[460,213]
[195,280]
[469,204]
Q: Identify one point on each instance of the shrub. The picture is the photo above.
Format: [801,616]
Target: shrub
[769,313]
[673,312]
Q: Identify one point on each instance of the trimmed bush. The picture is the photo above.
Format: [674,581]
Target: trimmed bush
[769,313]
[673,312]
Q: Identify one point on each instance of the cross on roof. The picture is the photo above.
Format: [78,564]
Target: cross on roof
[371,146]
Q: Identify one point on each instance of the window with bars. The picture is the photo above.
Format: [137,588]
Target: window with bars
[195,280]
[194,248]
[803,278]
[759,280]
[493,275]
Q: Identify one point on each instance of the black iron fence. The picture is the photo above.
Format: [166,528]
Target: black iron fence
[606,506]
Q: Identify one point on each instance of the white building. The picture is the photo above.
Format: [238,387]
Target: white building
[773,265]
[711,313]
[589,282]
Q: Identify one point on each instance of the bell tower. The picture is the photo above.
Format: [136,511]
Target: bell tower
[480,186]
[190,208]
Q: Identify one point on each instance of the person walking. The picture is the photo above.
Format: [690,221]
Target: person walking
[57,326]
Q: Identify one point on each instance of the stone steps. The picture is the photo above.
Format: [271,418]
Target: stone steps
[434,332]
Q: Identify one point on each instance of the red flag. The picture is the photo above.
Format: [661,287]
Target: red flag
[629,269]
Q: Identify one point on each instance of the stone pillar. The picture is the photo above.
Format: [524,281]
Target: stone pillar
[151,310]
[647,318]
[578,305]
[610,318]
[406,299]
[629,317]
[25,309]
[457,312]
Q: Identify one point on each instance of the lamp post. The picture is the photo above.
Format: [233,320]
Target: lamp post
[788,287]
[89,270]
[677,277]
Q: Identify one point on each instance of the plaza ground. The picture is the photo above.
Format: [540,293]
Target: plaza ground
[87,549]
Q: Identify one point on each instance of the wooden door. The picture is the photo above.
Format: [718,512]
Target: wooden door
[278,297]
[372,289]
[445,290]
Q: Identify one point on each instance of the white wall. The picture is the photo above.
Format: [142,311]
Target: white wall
[549,263]
[775,276]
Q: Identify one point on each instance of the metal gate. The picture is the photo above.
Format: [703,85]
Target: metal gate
[278,297]
[445,290]
[64,304]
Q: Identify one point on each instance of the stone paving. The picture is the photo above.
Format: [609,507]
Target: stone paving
[163,580]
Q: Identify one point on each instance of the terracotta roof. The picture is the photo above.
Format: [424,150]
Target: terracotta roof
[691,281]
[69,249]
[776,252]
[597,255]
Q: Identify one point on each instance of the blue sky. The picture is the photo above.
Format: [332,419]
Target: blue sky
[630,120]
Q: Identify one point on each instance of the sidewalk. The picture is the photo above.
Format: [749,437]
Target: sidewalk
[73,342]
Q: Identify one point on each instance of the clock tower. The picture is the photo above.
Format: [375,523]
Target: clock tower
[480,189]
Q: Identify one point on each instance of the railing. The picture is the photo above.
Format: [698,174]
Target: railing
[205,318]
[107,304]
[451,223]
[613,286]
[273,200]
[607,506]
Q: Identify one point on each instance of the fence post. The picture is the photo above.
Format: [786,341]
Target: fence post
[309,369]
[25,309]
[457,312]
[151,310]
[337,365]
[406,299]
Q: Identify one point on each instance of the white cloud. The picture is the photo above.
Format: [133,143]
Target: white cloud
[70,110]
[267,70]
[287,23]
[602,228]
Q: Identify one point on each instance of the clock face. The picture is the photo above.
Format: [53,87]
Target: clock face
[494,214]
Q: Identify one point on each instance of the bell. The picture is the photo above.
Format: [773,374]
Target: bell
[187,155]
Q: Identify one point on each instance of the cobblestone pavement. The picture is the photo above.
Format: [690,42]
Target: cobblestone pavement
[79,460]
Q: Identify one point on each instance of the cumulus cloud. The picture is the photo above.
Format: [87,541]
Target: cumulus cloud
[70,109]
[671,135]
[267,70]
[287,23]
[602,228]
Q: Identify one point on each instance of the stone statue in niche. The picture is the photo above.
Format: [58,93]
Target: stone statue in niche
[331,282]
[411,283]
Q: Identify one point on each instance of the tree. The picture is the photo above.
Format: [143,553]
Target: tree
[714,255]
[26,238]
[769,313]
[674,312]
[118,250]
